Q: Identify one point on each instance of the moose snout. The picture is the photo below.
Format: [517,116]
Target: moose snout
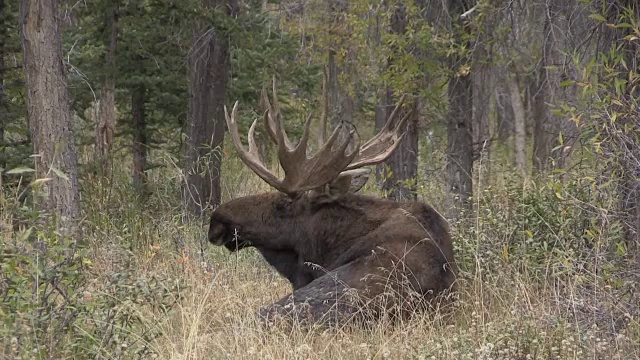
[217,232]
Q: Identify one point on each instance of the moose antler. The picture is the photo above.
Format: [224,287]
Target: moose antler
[333,157]
[301,173]
[382,145]
[379,147]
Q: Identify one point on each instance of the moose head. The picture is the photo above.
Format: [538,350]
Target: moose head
[343,253]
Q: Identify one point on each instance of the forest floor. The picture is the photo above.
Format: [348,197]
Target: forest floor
[498,316]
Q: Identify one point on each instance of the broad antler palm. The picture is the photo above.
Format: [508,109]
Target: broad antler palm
[333,157]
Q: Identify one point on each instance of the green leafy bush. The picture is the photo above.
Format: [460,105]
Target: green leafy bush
[50,307]
[552,229]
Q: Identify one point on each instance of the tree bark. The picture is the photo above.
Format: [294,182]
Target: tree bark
[49,110]
[555,68]
[459,167]
[140,143]
[482,98]
[520,135]
[630,189]
[400,171]
[398,174]
[504,111]
[208,77]
[341,105]
[629,193]
[105,128]
[483,85]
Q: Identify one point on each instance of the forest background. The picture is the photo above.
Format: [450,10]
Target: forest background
[525,135]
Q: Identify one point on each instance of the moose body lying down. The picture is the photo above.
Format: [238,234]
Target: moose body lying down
[345,254]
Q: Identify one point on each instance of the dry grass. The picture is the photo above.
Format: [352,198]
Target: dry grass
[502,311]
[215,320]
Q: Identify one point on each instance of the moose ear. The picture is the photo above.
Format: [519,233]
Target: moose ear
[348,181]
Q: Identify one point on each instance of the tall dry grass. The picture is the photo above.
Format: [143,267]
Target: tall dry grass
[184,299]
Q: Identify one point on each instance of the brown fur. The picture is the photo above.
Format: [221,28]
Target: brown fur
[352,255]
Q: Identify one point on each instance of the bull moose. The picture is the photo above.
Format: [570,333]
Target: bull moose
[345,254]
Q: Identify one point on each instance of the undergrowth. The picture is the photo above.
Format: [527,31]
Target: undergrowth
[544,274]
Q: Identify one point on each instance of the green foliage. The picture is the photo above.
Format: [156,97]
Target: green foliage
[555,229]
[14,147]
[50,307]
[40,275]
[146,54]
[260,50]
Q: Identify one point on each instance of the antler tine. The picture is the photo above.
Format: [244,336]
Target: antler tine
[278,114]
[272,117]
[336,134]
[251,158]
[323,167]
[290,159]
[265,106]
[394,113]
[382,145]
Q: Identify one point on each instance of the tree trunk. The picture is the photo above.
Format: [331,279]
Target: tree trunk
[140,144]
[482,98]
[398,174]
[400,171]
[105,128]
[459,167]
[504,111]
[208,77]
[630,190]
[520,135]
[483,85]
[556,67]
[531,88]
[341,105]
[49,110]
